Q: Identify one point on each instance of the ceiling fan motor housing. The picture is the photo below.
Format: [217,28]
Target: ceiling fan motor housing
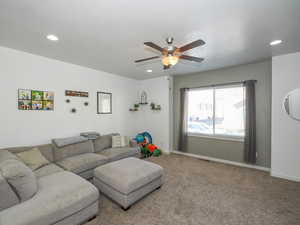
[169,40]
[171,54]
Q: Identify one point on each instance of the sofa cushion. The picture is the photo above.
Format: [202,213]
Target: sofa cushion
[62,142]
[73,150]
[120,141]
[33,158]
[114,154]
[8,197]
[20,178]
[128,175]
[46,150]
[80,163]
[47,170]
[104,142]
[5,155]
[60,195]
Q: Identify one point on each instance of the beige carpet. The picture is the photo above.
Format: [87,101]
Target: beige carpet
[197,192]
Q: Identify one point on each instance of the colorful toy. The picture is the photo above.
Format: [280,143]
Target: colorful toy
[147,148]
[140,138]
[143,138]
[157,152]
[151,147]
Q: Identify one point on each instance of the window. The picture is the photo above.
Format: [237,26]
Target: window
[217,111]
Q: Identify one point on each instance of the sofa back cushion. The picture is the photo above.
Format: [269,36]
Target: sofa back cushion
[72,150]
[103,142]
[120,141]
[5,155]
[8,197]
[46,150]
[33,158]
[20,178]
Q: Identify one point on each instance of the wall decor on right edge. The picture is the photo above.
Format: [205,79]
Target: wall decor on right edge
[104,103]
[292,104]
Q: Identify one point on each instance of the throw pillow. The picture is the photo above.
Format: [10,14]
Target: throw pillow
[120,141]
[33,158]
[20,178]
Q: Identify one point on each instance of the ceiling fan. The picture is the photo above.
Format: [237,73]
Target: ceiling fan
[170,55]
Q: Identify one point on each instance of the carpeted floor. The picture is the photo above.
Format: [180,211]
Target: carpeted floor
[198,192]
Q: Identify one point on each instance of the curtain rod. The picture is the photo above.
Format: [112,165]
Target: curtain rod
[222,84]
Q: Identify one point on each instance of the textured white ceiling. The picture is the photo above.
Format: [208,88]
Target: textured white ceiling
[108,34]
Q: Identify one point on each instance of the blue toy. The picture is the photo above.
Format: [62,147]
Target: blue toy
[144,138]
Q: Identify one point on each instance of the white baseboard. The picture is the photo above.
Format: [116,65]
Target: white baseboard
[223,161]
[283,176]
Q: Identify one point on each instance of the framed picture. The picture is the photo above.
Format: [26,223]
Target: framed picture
[24,94]
[76,93]
[48,105]
[84,94]
[37,105]
[35,100]
[48,96]
[37,95]
[104,103]
[24,104]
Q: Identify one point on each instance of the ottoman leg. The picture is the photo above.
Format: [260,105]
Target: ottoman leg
[125,209]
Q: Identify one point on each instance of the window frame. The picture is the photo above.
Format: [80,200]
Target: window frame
[235,138]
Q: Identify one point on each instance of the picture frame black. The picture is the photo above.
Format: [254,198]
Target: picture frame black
[35,100]
[104,98]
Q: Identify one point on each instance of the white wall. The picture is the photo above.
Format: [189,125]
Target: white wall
[285,131]
[157,123]
[23,70]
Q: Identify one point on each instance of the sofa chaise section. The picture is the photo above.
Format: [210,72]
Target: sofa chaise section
[83,164]
[62,198]
[114,154]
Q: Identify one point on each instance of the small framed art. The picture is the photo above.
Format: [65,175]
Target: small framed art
[104,103]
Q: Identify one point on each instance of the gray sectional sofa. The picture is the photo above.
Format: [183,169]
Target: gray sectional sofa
[55,193]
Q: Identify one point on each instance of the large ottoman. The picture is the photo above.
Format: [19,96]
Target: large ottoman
[128,180]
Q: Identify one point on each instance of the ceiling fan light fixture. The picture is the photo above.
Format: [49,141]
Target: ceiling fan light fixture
[275,42]
[52,37]
[171,54]
[170,60]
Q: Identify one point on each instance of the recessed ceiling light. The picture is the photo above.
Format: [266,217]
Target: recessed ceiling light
[276,42]
[149,71]
[52,37]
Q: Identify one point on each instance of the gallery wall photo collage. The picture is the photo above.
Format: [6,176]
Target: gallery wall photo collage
[35,100]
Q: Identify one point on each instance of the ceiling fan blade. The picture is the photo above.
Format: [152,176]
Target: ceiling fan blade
[155,46]
[146,59]
[191,45]
[167,67]
[191,58]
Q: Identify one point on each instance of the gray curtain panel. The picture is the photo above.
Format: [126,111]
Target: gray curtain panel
[182,145]
[250,123]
